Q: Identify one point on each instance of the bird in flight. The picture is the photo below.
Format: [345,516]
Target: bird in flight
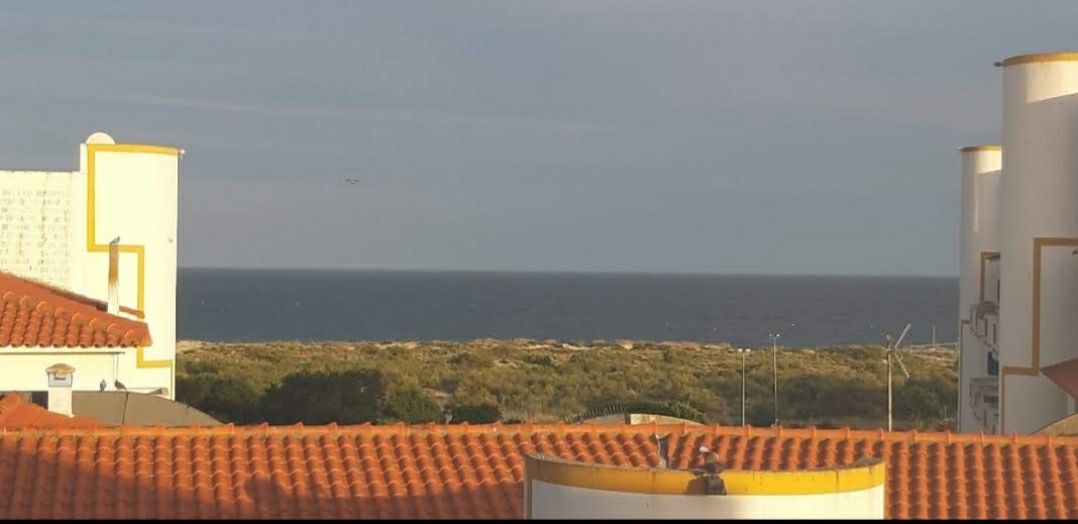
[352,181]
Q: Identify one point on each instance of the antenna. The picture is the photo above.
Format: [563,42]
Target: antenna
[894,354]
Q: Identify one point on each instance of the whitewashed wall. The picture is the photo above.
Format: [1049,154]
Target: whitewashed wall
[135,195]
[552,501]
[979,235]
[1038,207]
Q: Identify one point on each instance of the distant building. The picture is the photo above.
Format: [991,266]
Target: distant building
[1018,270]
[112,319]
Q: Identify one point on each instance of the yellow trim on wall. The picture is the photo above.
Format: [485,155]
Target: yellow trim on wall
[140,251]
[681,482]
[983,147]
[1040,57]
[1034,369]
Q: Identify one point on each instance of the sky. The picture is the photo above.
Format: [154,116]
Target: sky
[707,137]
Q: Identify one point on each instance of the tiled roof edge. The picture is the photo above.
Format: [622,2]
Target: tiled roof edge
[510,429]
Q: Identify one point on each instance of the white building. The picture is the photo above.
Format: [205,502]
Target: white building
[1038,305]
[558,489]
[55,237]
[979,259]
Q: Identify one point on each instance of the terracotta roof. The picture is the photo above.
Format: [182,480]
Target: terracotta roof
[1065,375]
[460,472]
[18,413]
[37,315]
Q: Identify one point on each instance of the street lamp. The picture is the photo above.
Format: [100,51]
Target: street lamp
[775,369]
[744,353]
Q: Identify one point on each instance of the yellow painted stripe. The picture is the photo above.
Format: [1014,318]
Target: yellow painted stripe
[680,482]
[91,227]
[136,148]
[1040,57]
[984,147]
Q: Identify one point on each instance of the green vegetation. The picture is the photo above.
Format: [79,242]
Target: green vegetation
[525,380]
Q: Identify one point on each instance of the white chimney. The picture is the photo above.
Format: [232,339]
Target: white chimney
[114,273]
[61,377]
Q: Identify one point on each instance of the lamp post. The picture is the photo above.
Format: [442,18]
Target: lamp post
[775,369]
[744,353]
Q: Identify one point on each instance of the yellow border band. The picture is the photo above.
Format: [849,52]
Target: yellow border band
[1066,56]
[984,147]
[681,482]
[91,228]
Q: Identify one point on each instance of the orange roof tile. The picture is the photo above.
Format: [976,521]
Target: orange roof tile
[38,315]
[475,472]
[1065,375]
[18,413]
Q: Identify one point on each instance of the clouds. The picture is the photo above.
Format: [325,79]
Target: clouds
[688,136]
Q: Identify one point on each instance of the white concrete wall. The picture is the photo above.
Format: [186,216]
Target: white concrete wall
[135,197]
[38,225]
[553,501]
[979,234]
[1038,201]
[23,369]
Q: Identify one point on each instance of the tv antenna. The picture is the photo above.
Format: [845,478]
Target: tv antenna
[894,355]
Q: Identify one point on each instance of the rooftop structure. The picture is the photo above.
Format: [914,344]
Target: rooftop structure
[1018,272]
[89,271]
[474,472]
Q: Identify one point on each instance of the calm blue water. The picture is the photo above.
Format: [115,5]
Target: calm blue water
[254,305]
[304,305]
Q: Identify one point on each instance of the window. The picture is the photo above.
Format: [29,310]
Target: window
[993,366]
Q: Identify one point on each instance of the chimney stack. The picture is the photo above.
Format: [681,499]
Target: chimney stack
[114,273]
[61,377]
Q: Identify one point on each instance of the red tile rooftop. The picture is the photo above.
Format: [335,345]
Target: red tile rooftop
[475,472]
[18,413]
[37,315]
[1065,375]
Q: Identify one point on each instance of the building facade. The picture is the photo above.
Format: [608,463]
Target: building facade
[56,231]
[978,304]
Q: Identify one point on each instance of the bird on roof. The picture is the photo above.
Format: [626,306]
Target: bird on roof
[712,464]
[119,385]
[159,391]
[103,385]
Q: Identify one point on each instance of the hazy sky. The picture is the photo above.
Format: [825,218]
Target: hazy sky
[718,136]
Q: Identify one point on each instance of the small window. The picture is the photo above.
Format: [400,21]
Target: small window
[993,366]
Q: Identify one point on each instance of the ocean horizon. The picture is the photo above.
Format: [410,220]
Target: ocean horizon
[232,305]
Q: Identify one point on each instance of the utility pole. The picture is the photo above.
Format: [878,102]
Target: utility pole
[775,370]
[744,353]
[889,398]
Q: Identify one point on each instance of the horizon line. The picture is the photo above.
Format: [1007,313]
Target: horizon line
[566,272]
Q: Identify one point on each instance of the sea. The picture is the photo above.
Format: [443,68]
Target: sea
[310,305]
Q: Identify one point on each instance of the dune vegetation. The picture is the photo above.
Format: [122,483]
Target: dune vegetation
[543,381]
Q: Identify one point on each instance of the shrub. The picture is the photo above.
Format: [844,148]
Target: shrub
[476,414]
[411,406]
[223,399]
[349,397]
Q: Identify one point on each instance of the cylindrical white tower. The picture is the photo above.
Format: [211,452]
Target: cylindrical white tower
[559,489]
[978,260]
[1038,234]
